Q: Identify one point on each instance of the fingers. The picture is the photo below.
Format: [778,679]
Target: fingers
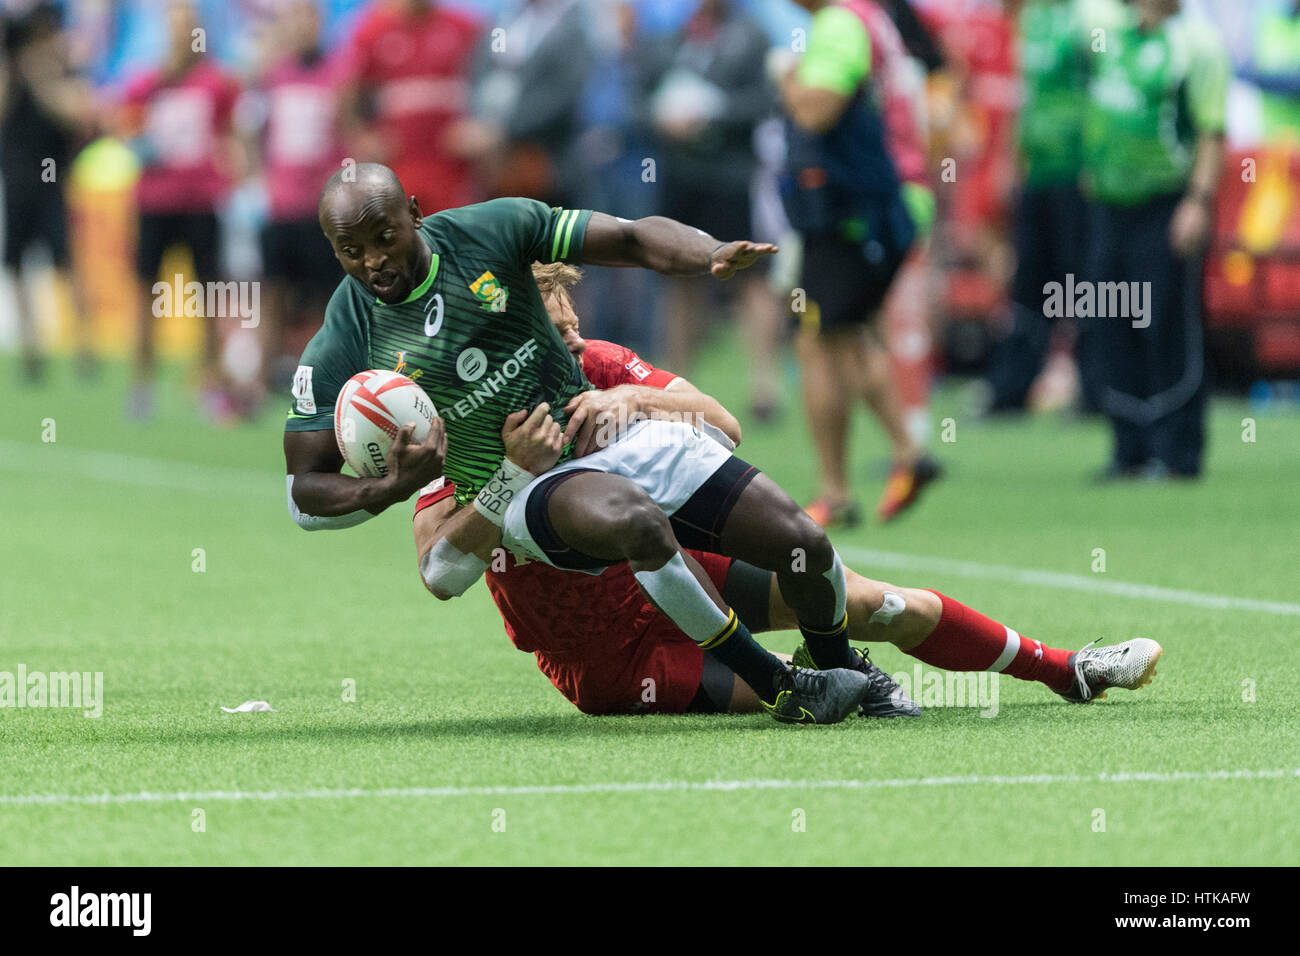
[513,421]
[740,255]
[576,423]
[586,440]
[403,436]
[535,417]
[437,433]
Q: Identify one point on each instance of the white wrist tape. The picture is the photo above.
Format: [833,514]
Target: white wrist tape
[448,572]
[322,523]
[495,497]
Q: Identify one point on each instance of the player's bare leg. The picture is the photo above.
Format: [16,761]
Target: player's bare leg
[33,357]
[829,408]
[72,279]
[870,359]
[760,313]
[685,306]
[609,518]
[140,400]
[943,632]
[912,470]
[766,528]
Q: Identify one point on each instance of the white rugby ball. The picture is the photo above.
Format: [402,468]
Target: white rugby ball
[371,407]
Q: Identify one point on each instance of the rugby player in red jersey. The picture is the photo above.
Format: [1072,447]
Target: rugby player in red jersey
[410,88]
[475,332]
[607,649]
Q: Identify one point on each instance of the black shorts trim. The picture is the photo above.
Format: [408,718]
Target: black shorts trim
[35,218]
[295,252]
[698,524]
[537,517]
[199,231]
[717,683]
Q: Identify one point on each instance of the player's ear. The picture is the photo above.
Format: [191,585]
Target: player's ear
[415,211]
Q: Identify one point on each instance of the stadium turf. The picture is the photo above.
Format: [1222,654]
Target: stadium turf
[457,750]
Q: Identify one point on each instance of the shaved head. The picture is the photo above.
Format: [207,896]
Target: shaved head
[373,227]
[369,180]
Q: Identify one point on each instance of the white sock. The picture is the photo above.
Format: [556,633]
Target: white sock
[679,594]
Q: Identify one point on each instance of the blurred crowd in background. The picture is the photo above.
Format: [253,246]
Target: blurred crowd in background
[148,139]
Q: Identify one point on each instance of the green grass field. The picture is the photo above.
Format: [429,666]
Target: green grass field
[453,733]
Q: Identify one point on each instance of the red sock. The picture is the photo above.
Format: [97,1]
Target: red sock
[966,640]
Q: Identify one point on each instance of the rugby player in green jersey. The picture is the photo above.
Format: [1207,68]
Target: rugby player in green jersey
[451,301]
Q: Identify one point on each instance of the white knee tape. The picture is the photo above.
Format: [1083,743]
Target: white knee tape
[448,571]
[890,608]
[835,574]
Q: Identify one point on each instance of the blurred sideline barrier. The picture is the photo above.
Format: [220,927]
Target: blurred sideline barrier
[1252,272]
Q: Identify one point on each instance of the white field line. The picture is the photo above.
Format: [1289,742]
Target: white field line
[210,480]
[865,560]
[645,786]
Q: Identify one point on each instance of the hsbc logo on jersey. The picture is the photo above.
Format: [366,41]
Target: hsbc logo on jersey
[472,367]
[638,369]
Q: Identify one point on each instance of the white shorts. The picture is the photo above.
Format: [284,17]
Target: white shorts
[669,461]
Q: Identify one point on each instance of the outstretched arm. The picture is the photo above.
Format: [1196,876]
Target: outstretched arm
[666,246]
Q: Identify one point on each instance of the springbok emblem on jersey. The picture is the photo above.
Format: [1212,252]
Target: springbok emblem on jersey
[400,367]
[491,294]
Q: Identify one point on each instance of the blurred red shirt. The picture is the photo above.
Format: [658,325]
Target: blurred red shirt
[182,121]
[415,69]
[302,143]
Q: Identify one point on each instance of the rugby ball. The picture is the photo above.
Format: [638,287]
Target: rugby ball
[371,407]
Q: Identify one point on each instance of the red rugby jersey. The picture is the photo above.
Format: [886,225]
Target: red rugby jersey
[564,615]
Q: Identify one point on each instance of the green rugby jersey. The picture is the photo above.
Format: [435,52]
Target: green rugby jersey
[474,334]
[1149,98]
[1053,51]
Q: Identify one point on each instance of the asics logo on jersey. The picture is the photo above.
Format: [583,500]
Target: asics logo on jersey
[433,315]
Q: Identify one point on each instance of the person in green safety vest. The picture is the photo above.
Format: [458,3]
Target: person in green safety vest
[1055,48]
[1153,151]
